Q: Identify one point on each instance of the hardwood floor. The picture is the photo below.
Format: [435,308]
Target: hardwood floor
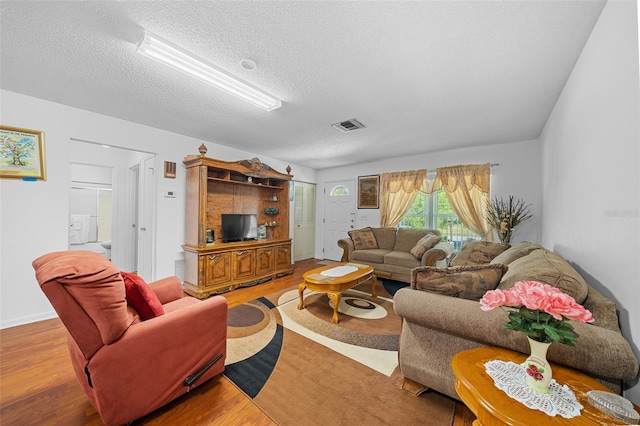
[38,386]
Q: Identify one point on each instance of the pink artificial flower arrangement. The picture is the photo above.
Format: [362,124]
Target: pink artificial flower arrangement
[539,310]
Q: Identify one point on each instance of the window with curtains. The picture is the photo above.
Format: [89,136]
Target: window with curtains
[466,193]
[433,211]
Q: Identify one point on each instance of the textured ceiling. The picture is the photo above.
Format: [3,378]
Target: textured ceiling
[422,76]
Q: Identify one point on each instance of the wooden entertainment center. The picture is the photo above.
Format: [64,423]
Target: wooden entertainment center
[216,187]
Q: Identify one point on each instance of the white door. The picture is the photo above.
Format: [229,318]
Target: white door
[304,221]
[133,218]
[146,219]
[339,215]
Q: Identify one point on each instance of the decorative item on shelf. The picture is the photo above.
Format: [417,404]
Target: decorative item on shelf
[505,215]
[262,232]
[275,197]
[541,312]
[271,210]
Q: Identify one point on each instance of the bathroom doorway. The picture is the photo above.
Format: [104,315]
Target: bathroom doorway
[123,228]
[90,208]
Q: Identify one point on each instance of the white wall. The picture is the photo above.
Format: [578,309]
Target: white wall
[591,158]
[507,178]
[34,216]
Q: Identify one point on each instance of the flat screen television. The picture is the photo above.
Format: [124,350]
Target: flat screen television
[239,227]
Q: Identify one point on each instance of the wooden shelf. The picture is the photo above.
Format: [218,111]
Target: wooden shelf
[236,182]
[216,187]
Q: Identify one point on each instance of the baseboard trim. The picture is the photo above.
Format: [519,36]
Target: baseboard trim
[14,322]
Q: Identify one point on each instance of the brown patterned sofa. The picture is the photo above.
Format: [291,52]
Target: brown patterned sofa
[438,321]
[394,252]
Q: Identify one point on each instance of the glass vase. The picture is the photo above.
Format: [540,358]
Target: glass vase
[537,368]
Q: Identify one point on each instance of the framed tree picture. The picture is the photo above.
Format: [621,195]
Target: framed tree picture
[368,192]
[21,153]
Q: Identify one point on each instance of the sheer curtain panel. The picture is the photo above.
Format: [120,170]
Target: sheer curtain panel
[398,191]
[467,189]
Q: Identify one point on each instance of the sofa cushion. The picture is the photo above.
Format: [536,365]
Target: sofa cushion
[401,258]
[466,282]
[363,239]
[406,238]
[604,310]
[425,243]
[141,297]
[371,255]
[521,249]
[386,237]
[478,253]
[547,267]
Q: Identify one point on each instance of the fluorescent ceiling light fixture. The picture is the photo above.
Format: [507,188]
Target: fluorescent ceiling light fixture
[177,58]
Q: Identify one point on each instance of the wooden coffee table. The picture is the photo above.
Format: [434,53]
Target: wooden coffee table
[494,407]
[314,280]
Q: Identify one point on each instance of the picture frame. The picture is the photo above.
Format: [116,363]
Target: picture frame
[21,154]
[369,192]
[169,170]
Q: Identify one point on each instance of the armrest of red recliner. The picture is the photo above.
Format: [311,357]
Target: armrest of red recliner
[167,289]
[148,365]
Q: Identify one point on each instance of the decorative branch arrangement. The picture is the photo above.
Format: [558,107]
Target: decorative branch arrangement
[504,215]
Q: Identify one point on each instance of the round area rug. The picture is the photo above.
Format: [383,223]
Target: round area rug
[363,320]
[359,308]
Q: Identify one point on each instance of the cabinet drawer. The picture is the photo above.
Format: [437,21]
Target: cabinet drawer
[264,260]
[217,268]
[282,256]
[243,264]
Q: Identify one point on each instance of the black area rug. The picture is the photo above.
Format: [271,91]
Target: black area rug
[391,286]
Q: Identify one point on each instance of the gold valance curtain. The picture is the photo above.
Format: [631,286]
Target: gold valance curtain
[467,189]
[398,190]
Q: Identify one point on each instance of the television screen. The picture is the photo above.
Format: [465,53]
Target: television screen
[239,227]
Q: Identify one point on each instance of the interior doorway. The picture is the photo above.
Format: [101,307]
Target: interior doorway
[90,208]
[339,215]
[304,220]
[132,188]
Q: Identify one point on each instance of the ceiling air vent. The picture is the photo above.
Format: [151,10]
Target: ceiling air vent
[349,125]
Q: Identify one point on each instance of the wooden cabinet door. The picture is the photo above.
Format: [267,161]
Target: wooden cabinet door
[264,262]
[243,264]
[282,256]
[217,268]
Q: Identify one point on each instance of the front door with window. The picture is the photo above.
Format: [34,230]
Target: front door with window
[339,215]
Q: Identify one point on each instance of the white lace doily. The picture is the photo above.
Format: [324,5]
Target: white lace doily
[510,378]
[339,271]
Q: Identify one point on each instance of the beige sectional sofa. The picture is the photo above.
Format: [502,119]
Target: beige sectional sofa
[436,325]
[389,250]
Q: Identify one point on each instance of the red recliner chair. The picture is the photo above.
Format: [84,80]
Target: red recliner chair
[129,367]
